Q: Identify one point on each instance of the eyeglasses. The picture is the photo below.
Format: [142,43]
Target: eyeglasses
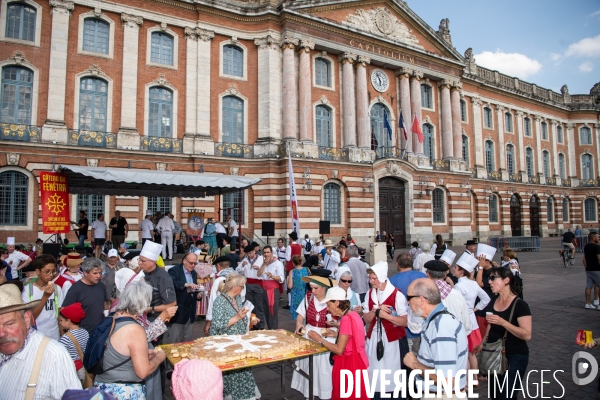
[346,281]
[409,297]
[48,272]
[491,278]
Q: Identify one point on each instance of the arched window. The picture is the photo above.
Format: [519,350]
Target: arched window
[96,35]
[565,209]
[162,48]
[487,117]
[93,100]
[322,72]
[92,204]
[20,21]
[377,126]
[529,162]
[544,126]
[438,206]
[550,209]
[323,125]
[233,60]
[586,167]
[332,203]
[14,190]
[426,96]
[233,120]
[585,135]
[428,143]
[546,162]
[590,209]
[527,124]
[160,204]
[489,155]
[508,122]
[160,112]
[463,110]
[559,134]
[561,166]
[493,207]
[465,149]
[17,87]
[510,158]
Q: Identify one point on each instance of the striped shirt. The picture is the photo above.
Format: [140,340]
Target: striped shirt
[82,337]
[443,346]
[56,375]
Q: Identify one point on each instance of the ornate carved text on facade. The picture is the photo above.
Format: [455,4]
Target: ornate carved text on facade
[387,52]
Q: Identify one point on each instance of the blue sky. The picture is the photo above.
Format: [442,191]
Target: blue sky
[548,43]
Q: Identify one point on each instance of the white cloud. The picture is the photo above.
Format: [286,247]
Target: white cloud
[555,57]
[595,14]
[513,64]
[586,67]
[587,47]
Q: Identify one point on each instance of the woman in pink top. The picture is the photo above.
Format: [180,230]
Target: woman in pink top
[349,348]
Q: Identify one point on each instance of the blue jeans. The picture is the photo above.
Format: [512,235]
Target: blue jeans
[517,363]
[82,240]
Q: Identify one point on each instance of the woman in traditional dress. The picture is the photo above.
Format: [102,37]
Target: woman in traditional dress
[295,285]
[385,312]
[344,277]
[313,311]
[349,350]
[231,318]
[209,236]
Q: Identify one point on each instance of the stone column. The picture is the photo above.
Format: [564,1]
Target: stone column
[191,81]
[203,103]
[538,145]
[269,89]
[520,167]
[597,136]
[570,136]
[501,151]
[415,106]
[55,128]
[363,120]
[447,141]
[348,93]
[456,121]
[304,91]
[290,89]
[478,135]
[128,133]
[404,76]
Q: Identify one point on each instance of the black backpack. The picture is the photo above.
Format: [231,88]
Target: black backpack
[308,245]
[94,352]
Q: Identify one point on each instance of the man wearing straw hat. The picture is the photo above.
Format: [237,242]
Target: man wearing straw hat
[16,260]
[31,364]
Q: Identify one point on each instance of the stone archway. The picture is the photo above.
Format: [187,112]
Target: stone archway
[392,209]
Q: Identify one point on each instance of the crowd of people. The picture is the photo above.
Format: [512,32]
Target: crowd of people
[434,313]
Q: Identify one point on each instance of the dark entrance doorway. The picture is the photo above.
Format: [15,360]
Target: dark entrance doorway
[392,210]
[515,215]
[534,215]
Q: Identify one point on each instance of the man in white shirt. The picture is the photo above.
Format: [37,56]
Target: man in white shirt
[280,250]
[318,247]
[332,258]
[306,241]
[16,260]
[99,227]
[18,349]
[250,265]
[166,227]
[233,232]
[272,273]
[221,232]
[147,227]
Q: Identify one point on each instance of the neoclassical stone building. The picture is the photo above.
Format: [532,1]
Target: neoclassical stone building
[225,86]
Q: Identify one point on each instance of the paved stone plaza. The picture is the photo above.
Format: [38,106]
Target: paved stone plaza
[556,297]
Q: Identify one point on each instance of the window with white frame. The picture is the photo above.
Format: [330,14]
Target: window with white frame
[16,95]
[463,110]
[160,112]
[546,162]
[487,118]
[428,143]
[565,209]
[426,96]
[96,35]
[322,72]
[585,135]
[92,204]
[508,122]
[590,209]
[323,126]
[561,166]
[527,126]
[510,158]
[14,192]
[550,209]
[161,51]
[20,21]
[379,113]
[587,171]
[233,120]
[489,156]
[332,207]
[163,205]
[544,126]
[232,203]
[93,102]
[493,207]
[529,162]
[233,60]
[559,134]
[438,205]
[465,149]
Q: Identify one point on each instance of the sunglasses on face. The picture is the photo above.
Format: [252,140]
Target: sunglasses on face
[491,278]
[346,281]
[409,297]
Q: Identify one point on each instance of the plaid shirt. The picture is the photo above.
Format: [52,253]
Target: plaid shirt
[444,288]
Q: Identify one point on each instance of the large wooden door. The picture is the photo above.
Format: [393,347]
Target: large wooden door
[515,215]
[534,215]
[392,210]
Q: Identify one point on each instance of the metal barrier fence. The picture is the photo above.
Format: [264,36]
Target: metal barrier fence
[580,243]
[516,243]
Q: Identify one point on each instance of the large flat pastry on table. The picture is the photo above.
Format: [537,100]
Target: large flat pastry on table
[252,348]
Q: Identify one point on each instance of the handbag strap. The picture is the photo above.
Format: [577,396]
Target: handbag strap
[76,344]
[230,303]
[37,366]
[512,310]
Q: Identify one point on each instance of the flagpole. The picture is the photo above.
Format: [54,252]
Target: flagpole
[293,199]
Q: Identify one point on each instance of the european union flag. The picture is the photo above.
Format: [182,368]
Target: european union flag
[386,124]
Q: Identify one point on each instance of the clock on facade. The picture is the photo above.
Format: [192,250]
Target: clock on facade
[380,81]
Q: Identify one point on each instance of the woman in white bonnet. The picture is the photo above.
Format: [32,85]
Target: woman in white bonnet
[421,259]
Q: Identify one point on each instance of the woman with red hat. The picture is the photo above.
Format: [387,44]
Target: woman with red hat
[75,339]
[71,273]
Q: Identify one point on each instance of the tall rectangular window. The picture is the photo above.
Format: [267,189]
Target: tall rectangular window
[92,204]
[438,206]
[463,111]
[493,208]
[550,209]
[585,135]
[161,112]
[233,120]
[95,35]
[527,125]
[323,125]
[544,126]
[17,86]
[233,61]
[14,190]
[586,167]
[510,159]
[93,101]
[546,162]
[428,144]
[332,203]
[565,209]
[561,166]
[232,202]
[529,161]
[590,210]
[559,134]
[20,21]
[487,117]
[322,72]
[508,122]
[426,96]
[489,156]
[162,204]
[465,149]
[162,48]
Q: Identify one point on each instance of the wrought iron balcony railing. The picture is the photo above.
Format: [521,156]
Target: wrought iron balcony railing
[78,137]
[588,182]
[494,175]
[534,179]
[566,182]
[515,178]
[162,145]
[441,165]
[390,152]
[20,132]
[333,154]
[234,150]
[550,181]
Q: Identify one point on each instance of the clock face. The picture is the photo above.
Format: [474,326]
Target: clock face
[380,81]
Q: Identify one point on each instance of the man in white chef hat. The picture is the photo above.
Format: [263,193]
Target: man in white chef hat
[16,260]
[163,295]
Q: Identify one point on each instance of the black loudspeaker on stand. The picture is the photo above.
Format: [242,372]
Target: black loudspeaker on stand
[268,229]
[323,227]
[52,248]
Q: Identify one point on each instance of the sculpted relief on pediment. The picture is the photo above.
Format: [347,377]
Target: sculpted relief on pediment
[380,21]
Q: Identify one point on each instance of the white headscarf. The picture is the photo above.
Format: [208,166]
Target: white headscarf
[420,260]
